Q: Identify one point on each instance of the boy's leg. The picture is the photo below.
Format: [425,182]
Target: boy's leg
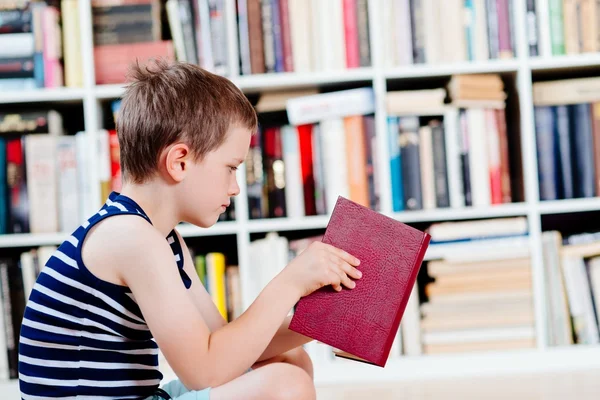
[298,357]
[274,381]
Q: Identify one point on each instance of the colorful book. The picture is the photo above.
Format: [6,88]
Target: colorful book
[361,323]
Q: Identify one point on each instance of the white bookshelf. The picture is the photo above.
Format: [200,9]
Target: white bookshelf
[541,358]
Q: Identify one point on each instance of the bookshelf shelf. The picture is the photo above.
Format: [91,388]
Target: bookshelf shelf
[259,82]
[569,206]
[461,365]
[565,62]
[109,91]
[42,95]
[31,239]
[288,224]
[453,214]
[424,71]
[221,228]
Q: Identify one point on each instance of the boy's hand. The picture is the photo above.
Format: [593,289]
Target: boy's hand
[321,265]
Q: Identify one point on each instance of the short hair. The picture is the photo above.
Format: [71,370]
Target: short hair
[166,102]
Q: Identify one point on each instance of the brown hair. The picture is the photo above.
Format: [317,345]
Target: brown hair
[170,102]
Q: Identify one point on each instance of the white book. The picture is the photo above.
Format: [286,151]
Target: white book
[479,335]
[333,140]
[300,25]
[426,167]
[28,272]
[433,30]
[294,193]
[319,107]
[15,45]
[104,172]
[453,161]
[402,32]
[337,38]
[42,186]
[411,325]
[482,52]
[176,29]
[478,158]
[244,37]
[84,185]
[316,36]
[68,194]
[580,300]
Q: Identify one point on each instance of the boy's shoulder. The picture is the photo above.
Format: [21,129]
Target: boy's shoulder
[119,241]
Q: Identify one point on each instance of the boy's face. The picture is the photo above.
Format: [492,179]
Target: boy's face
[211,182]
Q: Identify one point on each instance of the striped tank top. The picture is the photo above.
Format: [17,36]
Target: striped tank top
[82,337]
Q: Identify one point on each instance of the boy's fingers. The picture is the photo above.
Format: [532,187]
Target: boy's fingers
[350,259]
[351,271]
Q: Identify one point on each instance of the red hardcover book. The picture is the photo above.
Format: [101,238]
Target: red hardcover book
[361,323]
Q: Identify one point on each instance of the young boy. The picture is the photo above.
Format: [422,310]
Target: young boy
[123,284]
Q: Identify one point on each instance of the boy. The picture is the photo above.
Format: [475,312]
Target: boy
[124,284]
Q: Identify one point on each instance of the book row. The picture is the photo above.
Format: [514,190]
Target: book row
[40,45]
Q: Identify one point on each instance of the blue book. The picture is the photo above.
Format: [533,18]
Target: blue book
[395,164]
[546,153]
[582,145]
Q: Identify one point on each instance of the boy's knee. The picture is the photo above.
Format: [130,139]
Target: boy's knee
[293,383]
[300,358]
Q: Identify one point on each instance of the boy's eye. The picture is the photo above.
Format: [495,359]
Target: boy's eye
[233,169]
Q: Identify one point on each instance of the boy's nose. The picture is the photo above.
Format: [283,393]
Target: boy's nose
[234,188]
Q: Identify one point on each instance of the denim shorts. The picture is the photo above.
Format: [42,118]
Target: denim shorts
[176,391]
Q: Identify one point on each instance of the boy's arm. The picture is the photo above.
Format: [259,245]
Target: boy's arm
[284,340]
[200,295]
[146,265]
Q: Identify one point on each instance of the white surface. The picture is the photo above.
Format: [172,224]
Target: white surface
[458,365]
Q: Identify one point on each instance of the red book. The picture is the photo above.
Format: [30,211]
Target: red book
[361,323]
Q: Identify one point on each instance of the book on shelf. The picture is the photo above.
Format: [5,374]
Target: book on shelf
[572,287]
[450,147]
[40,45]
[362,323]
[567,125]
[126,31]
[452,31]
[476,298]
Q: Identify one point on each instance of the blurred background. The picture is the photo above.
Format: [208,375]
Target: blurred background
[475,120]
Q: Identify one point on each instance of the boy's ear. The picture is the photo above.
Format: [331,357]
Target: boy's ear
[177,161]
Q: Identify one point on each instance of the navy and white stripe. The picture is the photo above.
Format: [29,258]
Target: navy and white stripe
[83,337]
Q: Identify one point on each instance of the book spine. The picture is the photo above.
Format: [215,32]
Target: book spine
[244,37]
[596,139]
[267,31]
[286,36]
[277,36]
[364,41]
[532,29]
[15,21]
[405,298]
[410,161]
[395,164]
[582,142]
[351,33]
[492,26]
[255,37]
[557,34]
[442,195]
[544,123]
[417,31]
[565,164]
